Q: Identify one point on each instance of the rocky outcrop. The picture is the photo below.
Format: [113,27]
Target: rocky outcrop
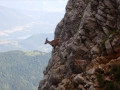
[89,45]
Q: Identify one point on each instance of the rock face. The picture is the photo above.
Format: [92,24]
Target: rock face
[89,44]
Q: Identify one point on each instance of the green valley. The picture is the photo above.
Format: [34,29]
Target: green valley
[22,70]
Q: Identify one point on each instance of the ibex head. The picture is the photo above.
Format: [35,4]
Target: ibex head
[46,41]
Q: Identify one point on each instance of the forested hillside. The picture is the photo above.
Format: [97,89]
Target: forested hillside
[22,70]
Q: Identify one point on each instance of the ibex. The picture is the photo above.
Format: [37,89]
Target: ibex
[53,43]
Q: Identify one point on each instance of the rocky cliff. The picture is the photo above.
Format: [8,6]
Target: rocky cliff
[87,56]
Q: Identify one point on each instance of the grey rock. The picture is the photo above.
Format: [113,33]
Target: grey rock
[110,24]
[100,12]
[78,79]
[58,29]
[55,78]
[80,87]
[95,50]
[86,25]
[61,88]
[100,18]
[108,4]
[115,42]
[91,71]
[90,25]
[108,46]
[110,17]
[92,88]
[106,31]
[52,87]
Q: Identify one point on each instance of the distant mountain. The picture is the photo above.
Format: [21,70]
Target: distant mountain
[36,42]
[45,21]
[10,18]
[18,23]
[42,15]
[33,42]
[22,70]
[35,21]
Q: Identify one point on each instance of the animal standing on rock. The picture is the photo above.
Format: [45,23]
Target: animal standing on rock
[53,43]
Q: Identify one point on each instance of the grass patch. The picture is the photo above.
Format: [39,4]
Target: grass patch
[113,32]
[114,84]
[68,86]
[105,7]
[115,70]
[102,45]
[62,63]
[109,85]
[100,80]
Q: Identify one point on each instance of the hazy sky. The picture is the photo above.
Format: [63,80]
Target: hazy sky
[45,5]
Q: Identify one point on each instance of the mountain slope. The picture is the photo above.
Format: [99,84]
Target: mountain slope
[36,42]
[33,42]
[17,24]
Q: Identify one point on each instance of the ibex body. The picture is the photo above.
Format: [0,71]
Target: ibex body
[53,43]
